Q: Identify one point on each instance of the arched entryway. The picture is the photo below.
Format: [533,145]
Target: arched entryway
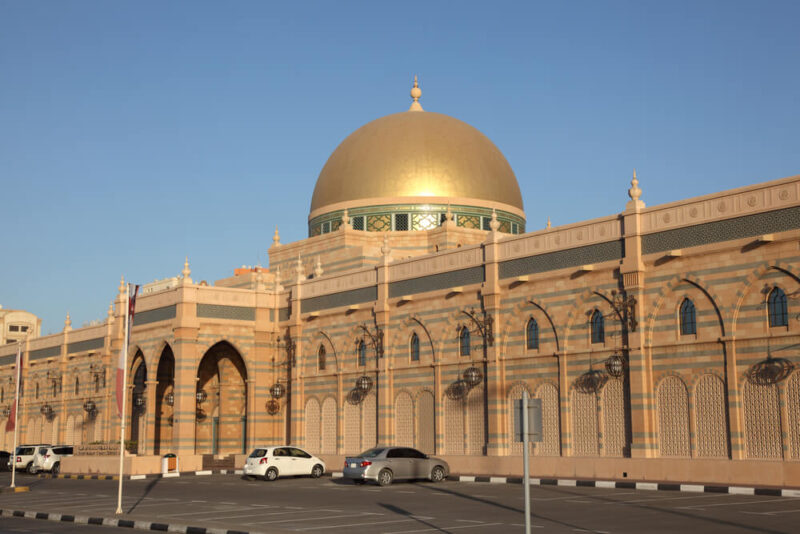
[138,403]
[221,402]
[165,401]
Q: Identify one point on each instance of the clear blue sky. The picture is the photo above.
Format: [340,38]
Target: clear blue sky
[134,133]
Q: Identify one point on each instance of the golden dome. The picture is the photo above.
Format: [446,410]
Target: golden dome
[416,156]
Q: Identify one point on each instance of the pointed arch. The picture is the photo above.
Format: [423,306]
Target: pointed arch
[667,292]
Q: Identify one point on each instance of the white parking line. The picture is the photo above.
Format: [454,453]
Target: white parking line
[356,524]
[735,503]
[659,499]
[244,509]
[443,529]
[309,518]
[776,512]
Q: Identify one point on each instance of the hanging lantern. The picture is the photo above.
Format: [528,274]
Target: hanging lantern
[139,400]
[277,390]
[355,396]
[201,395]
[616,365]
[89,406]
[46,410]
[6,411]
[457,390]
[170,399]
[769,371]
[364,383]
[472,377]
[273,407]
[591,381]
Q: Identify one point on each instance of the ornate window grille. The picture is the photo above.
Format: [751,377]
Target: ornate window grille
[532,334]
[598,327]
[414,347]
[688,318]
[463,342]
[778,312]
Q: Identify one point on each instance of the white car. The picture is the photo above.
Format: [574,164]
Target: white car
[270,463]
[24,455]
[49,458]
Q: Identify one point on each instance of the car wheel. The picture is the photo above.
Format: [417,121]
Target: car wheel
[437,474]
[385,477]
[56,468]
[30,469]
[271,474]
[317,471]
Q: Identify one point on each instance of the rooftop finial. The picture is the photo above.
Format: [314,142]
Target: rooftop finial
[318,268]
[494,224]
[634,192]
[385,248]
[548,222]
[186,271]
[416,92]
[276,237]
[67,323]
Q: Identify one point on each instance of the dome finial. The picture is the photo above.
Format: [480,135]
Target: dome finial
[416,92]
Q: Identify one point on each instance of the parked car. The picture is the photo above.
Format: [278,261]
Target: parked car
[385,464]
[49,458]
[5,461]
[23,457]
[270,463]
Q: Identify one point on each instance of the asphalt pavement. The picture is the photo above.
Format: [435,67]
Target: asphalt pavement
[336,506]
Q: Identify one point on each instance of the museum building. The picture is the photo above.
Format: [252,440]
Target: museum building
[662,341]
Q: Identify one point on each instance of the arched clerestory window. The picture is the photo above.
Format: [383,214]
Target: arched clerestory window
[688,318]
[414,347]
[321,358]
[532,334]
[598,327]
[362,353]
[77,386]
[776,304]
[463,341]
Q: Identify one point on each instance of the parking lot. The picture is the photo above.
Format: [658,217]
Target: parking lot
[336,506]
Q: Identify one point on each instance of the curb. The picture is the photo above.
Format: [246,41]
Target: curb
[114,522]
[143,477]
[613,484]
[16,489]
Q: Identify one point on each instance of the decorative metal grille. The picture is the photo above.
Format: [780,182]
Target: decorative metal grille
[425,436]
[379,223]
[401,222]
[793,414]
[709,403]
[673,418]
[404,420]
[369,436]
[476,436]
[454,426]
[469,221]
[762,420]
[352,428]
[551,440]
[614,442]
[424,221]
[584,423]
[312,425]
[328,445]
[358,222]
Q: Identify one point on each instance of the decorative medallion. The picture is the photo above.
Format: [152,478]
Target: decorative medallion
[751,201]
[693,212]
[784,194]
[721,207]
[666,218]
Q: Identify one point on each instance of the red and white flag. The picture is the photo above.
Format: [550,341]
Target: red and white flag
[12,417]
[124,352]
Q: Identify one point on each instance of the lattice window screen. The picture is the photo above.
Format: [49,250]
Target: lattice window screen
[370,420]
[426,434]
[613,419]
[584,424]
[404,420]
[673,418]
[328,445]
[78,430]
[54,430]
[69,435]
[551,443]
[762,421]
[476,438]
[712,428]
[793,414]
[453,426]
[515,394]
[352,429]
[312,426]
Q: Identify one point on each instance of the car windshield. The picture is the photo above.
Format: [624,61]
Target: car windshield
[372,453]
[258,453]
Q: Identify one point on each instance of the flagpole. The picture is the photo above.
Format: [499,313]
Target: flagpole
[16,414]
[124,358]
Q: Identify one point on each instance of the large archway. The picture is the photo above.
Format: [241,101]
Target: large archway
[165,401]
[221,402]
[138,406]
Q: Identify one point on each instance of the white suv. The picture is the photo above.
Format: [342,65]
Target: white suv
[24,455]
[271,462]
[49,458]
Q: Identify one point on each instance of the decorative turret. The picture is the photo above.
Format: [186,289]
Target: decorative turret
[186,271]
[635,193]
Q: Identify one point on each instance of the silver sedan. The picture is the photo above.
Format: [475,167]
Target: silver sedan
[385,464]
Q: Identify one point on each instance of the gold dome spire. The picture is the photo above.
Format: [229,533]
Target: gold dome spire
[416,92]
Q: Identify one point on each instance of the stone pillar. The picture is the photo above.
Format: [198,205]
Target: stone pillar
[734,401]
[187,358]
[643,443]
[493,381]
[382,312]
[146,437]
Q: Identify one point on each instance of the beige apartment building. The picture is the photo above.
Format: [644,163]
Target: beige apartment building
[662,340]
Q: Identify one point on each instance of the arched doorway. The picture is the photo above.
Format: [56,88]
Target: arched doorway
[138,403]
[165,401]
[221,402]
